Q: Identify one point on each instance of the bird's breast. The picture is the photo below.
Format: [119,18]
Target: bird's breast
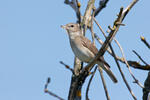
[81,52]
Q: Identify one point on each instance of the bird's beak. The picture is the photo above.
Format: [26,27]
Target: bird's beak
[63,26]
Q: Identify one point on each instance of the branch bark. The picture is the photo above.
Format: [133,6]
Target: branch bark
[146,90]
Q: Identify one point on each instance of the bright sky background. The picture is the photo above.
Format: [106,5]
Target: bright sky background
[32,44]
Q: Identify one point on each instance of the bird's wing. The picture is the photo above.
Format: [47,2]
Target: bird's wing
[88,44]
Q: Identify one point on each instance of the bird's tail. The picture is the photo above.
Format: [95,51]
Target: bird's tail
[106,67]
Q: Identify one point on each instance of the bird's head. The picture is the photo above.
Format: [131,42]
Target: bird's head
[72,28]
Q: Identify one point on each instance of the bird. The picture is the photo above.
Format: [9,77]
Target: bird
[84,49]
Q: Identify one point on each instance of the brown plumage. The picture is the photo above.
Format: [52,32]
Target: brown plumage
[84,49]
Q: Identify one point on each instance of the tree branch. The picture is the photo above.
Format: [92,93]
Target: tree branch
[91,28]
[133,64]
[87,89]
[136,81]
[146,90]
[61,62]
[76,6]
[49,92]
[104,83]
[87,16]
[136,65]
[102,4]
[124,79]
[145,42]
[140,57]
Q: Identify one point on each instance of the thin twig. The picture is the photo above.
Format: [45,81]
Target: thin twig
[89,83]
[109,49]
[133,64]
[49,92]
[126,11]
[124,79]
[140,57]
[102,4]
[145,42]
[137,65]
[76,6]
[61,62]
[136,81]
[48,81]
[101,70]
[78,13]
[114,55]
[91,28]
[104,83]
[99,26]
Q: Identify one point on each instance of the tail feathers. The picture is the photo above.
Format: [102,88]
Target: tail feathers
[106,67]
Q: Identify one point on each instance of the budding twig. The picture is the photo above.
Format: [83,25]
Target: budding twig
[49,92]
[145,42]
[61,62]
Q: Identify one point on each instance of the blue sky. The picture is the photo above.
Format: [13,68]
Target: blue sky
[32,44]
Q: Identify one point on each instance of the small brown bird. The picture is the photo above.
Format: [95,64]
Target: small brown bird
[84,49]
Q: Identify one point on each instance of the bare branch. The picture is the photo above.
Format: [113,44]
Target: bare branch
[99,27]
[137,65]
[100,69]
[48,81]
[104,83]
[87,15]
[49,92]
[146,90]
[136,81]
[91,28]
[126,11]
[140,57]
[145,42]
[102,4]
[133,64]
[87,89]
[76,6]
[124,79]
[116,23]
[61,62]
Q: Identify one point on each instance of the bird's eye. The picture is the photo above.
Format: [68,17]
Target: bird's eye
[71,25]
